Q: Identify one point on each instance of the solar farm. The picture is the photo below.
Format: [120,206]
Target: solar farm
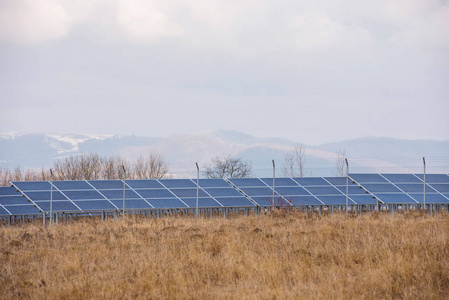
[158,197]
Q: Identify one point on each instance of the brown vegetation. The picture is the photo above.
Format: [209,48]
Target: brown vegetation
[278,256]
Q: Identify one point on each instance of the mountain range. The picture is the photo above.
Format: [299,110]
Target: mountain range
[367,154]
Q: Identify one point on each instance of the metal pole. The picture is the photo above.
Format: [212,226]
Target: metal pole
[197,189]
[274,175]
[124,189]
[347,183]
[51,197]
[424,195]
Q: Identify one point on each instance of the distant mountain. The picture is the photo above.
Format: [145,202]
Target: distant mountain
[182,151]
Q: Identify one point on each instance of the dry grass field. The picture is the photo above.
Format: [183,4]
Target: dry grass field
[278,256]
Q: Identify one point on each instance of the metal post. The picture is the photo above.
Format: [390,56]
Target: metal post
[424,173]
[51,197]
[197,189]
[124,189]
[347,183]
[274,175]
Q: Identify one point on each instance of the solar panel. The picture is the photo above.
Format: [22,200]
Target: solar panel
[368,178]
[72,185]
[323,190]
[396,199]
[6,190]
[188,192]
[311,181]
[415,188]
[118,194]
[45,195]
[434,178]
[279,181]
[94,205]
[7,200]
[268,200]
[235,202]
[132,204]
[381,188]
[107,184]
[144,184]
[32,185]
[155,193]
[178,183]
[335,200]
[338,180]
[202,202]
[58,206]
[402,178]
[241,182]
[27,209]
[166,203]
[303,200]
[83,195]
[352,190]
[257,191]
[363,199]
[440,187]
[213,183]
[291,191]
[430,198]
[3,212]
[222,192]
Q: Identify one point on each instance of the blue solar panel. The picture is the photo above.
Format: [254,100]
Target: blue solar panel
[188,192]
[279,182]
[213,183]
[415,188]
[222,192]
[402,178]
[323,190]
[363,199]
[435,178]
[440,187]
[27,209]
[303,200]
[268,201]
[202,202]
[368,178]
[291,191]
[94,205]
[6,190]
[430,198]
[118,194]
[155,193]
[72,185]
[166,203]
[335,200]
[396,199]
[338,180]
[132,204]
[258,191]
[178,183]
[311,181]
[45,195]
[3,212]
[32,185]
[352,190]
[83,195]
[58,206]
[6,200]
[381,188]
[235,201]
[107,184]
[144,184]
[241,182]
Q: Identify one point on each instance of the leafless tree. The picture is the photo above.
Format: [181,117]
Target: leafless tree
[151,167]
[340,163]
[294,162]
[228,167]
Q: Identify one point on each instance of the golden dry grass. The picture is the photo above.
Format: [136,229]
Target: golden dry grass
[282,256]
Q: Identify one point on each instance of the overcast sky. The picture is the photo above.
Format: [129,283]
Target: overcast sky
[310,71]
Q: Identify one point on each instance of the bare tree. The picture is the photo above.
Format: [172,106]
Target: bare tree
[151,167]
[228,167]
[294,162]
[340,162]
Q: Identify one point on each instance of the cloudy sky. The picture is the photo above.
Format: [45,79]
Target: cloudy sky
[310,71]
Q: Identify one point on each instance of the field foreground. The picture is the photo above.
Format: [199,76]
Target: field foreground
[277,256]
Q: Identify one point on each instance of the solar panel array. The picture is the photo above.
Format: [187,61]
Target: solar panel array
[27,198]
